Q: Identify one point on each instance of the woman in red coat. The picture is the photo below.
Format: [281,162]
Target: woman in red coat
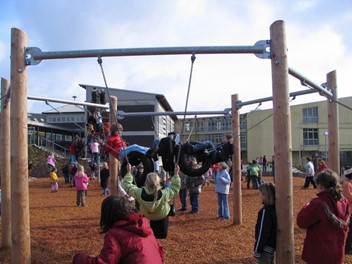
[128,236]
[326,219]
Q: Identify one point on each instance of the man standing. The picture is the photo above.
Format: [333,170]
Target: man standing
[309,174]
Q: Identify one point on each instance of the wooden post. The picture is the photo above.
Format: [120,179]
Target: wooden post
[5,166]
[21,246]
[113,162]
[333,125]
[282,144]
[236,161]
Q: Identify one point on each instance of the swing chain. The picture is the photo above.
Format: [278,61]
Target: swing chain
[193,58]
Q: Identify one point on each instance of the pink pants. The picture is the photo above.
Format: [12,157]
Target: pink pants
[54,187]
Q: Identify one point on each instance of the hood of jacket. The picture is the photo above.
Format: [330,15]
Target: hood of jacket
[135,223]
[336,211]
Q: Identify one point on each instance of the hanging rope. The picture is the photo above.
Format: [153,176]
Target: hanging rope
[100,62]
[193,58]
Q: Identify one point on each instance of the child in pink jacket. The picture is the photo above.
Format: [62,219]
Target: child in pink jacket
[81,183]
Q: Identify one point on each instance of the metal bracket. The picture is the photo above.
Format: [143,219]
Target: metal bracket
[120,115]
[29,60]
[238,104]
[266,49]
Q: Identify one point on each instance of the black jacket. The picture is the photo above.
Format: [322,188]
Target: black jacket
[265,231]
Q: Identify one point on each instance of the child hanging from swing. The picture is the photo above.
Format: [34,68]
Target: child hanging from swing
[117,147]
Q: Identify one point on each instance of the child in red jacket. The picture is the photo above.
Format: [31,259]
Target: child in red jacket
[326,219]
[128,236]
[114,142]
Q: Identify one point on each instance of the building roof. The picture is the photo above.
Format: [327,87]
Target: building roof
[65,109]
[121,93]
[39,121]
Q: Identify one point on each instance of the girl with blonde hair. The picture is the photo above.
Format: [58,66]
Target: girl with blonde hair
[81,183]
[153,199]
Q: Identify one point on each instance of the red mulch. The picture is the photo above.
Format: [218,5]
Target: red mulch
[59,228]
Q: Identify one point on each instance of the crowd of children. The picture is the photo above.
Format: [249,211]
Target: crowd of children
[149,195]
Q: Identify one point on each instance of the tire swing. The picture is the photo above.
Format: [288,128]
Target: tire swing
[166,151]
[183,157]
[135,158]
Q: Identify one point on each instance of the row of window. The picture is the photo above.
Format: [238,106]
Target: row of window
[64,119]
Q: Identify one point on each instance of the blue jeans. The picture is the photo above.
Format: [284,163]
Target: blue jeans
[106,191]
[94,159]
[194,198]
[72,158]
[125,151]
[223,205]
[183,199]
[203,145]
[255,181]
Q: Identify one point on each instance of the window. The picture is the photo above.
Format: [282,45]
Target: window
[243,141]
[310,137]
[310,115]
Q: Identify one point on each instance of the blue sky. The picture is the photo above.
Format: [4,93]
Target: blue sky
[318,36]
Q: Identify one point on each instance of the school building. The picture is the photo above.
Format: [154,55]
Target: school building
[309,126]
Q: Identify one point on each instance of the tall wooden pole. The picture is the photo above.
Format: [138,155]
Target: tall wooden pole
[113,162]
[21,246]
[236,161]
[333,124]
[282,144]
[5,166]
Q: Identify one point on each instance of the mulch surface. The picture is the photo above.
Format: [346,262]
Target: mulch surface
[59,228]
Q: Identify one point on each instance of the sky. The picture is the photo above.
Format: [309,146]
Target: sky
[318,35]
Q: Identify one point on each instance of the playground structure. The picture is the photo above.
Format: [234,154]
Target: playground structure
[22,57]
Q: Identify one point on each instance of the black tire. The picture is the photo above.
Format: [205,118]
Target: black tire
[135,158]
[166,151]
[206,160]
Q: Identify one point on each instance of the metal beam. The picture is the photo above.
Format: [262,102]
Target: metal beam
[305,81]
[34,55]
[46,99]
[266,99]
[122,114]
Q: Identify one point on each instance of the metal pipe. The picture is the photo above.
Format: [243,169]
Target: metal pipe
[29,97]
[122,114]
[308,82]
[266,99]
[34,55]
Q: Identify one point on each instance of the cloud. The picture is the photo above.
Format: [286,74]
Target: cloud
[316,46]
